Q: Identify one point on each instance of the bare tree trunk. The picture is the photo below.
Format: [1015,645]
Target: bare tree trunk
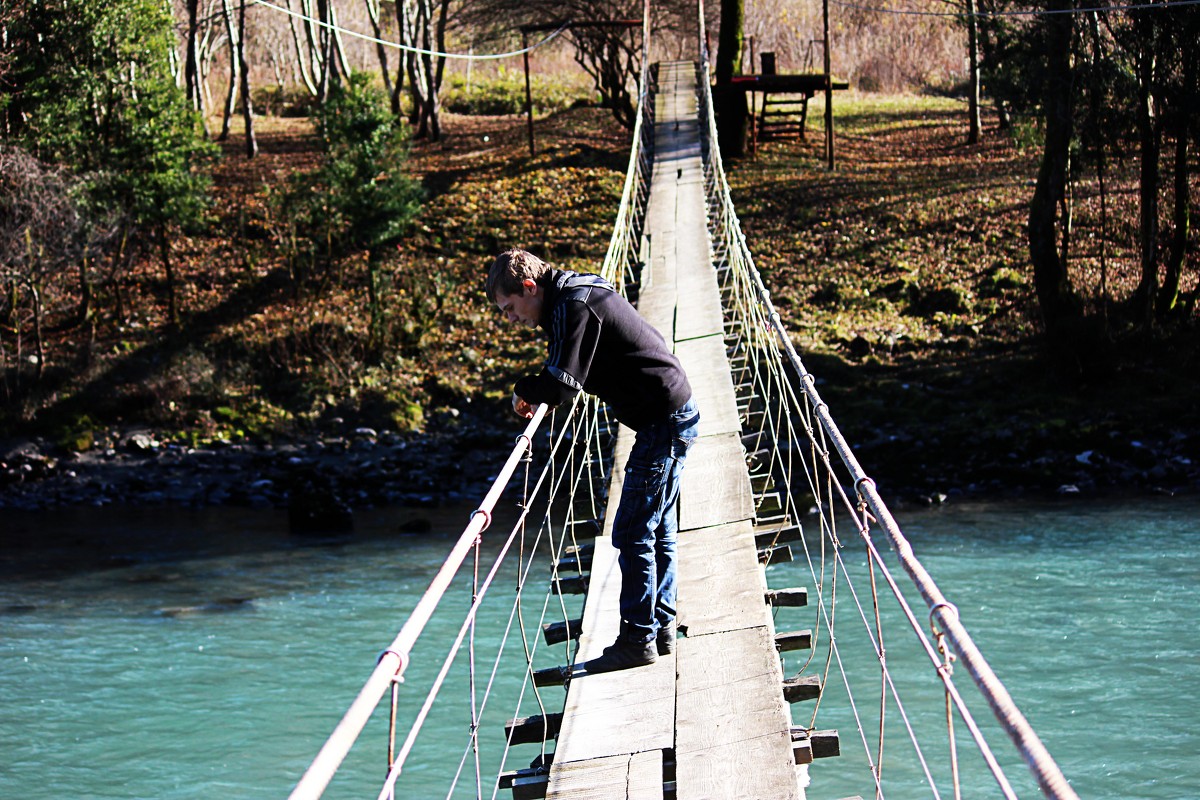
[192,61]
[247,103]
[339,47]
[327,45]
[1169,297]
[1182,124]
[38,339]
[974,126]
[731,111]
[440,69]
[1101,157]
[380,50]
[419,22]
[303,54]
[402,25]
[234,71]
[1052,283]
[1150,147]
[988,45]
[206,52]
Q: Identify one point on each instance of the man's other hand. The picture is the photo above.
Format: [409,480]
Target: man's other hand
[522,408]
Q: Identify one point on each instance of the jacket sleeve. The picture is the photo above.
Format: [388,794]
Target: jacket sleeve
[574,335]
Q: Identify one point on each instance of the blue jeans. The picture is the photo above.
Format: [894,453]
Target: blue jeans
[647,523]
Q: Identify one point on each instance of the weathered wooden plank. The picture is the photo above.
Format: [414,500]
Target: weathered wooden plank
[559,632]
[784,598]
[699,306]
[780,554]
[551,676]
[793,640]
[721,584]
[658,294]
[733,732]
[802,687]
[614,712]
[825,744]
[712,387]
[715,488]
[576,557]
[570,584]
[699,296]
[527,730]
[620,777]
[777,533]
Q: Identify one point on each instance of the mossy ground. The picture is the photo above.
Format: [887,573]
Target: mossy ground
[902,275]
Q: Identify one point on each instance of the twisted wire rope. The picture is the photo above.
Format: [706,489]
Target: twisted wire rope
[735,254]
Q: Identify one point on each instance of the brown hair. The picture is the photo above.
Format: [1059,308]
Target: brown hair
[510,270]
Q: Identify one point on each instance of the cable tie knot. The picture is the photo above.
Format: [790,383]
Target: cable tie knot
[487,518]
[934,609]
[403,665]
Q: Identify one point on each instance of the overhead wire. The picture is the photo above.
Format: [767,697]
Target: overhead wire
[409,48]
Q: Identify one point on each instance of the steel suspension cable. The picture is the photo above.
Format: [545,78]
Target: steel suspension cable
[1045,771]
[337,29]
[1049,777]
[395,658]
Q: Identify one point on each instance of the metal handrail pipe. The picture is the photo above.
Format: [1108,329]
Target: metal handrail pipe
[395,659]
[1050,778]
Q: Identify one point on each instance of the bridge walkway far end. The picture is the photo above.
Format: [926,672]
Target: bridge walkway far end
[711,720]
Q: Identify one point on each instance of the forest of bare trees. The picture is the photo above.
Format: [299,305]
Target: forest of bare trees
[108,113]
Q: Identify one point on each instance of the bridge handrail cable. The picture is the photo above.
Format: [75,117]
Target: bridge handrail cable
[942,613]
[618,268]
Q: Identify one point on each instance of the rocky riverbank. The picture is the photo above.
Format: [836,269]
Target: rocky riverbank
[320,480]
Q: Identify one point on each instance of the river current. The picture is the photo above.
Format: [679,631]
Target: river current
[207,654]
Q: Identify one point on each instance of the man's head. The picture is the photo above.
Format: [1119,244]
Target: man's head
[515,285]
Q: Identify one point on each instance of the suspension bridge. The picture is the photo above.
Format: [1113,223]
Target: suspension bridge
[771,478]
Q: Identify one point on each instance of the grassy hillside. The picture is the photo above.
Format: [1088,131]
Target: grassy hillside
[904,278]
[901,274]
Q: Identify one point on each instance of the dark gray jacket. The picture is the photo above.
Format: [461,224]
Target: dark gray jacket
[599,343]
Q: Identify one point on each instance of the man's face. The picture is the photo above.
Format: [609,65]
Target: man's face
[524,308]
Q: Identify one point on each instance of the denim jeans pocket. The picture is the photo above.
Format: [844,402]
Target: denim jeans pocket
[644,476]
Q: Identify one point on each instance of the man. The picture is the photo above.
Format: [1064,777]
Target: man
[599,344]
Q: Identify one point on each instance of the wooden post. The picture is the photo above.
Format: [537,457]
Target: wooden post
[753,106]
[528,91]
[828,90]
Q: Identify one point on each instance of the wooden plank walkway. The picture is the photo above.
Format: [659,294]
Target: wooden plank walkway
[715,709]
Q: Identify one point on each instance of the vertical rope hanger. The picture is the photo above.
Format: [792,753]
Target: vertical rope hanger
[471,661]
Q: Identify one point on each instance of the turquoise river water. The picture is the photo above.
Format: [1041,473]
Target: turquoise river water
[207,654]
